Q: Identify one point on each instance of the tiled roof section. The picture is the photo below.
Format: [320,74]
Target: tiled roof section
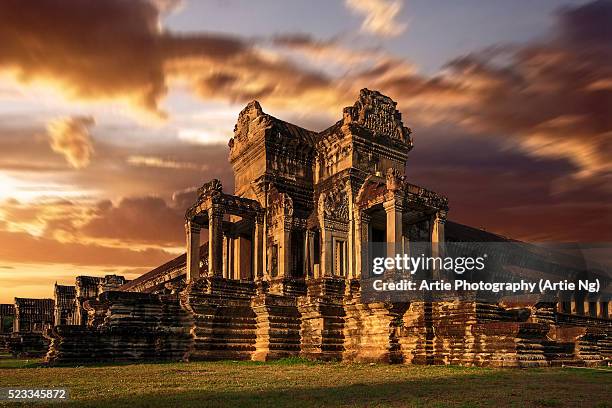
[294,131]
[455,232]
[541,257]
[37,303]
[177,263]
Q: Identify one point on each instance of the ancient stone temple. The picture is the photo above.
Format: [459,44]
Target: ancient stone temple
[274,269]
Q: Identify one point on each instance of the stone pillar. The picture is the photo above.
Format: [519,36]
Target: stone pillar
[192,230]
[258,250]
[17,318]
[231,257]
[215,242]
[361,241]
[437,232]
[586,307]
[308,254]
[437,238]
[327,262]
[284,253]
[225,255]
[394,210]
[350,250]
[362,237]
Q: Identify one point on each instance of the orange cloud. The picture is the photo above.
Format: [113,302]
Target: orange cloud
[110,49]
[70,137]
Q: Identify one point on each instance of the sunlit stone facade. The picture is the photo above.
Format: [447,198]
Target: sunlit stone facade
[273,269]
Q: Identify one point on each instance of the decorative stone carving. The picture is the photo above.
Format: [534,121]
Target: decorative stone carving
[334,204]
[378,114]
[213,187]
[394,179]
[251,112]
[280,209]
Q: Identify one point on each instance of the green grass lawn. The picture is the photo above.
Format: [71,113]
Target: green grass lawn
[300,383]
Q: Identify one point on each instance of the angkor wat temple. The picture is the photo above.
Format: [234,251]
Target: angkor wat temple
[279,272]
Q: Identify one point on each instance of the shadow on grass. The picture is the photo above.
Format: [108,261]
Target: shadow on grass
[12,363]
[280,362]
[484,389]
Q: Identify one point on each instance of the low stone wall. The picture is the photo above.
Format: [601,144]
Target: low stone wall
[216,318]
[5,346]
[126,326]
[28,344]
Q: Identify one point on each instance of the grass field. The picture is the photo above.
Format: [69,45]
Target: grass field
[300,383]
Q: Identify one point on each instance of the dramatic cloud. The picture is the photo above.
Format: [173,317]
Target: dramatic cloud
[380,16]
[529,124]
[551,96]
[138,220]
[111,49]
[70,137]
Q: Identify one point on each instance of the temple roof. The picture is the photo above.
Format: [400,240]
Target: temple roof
[253,122]
[21,302]
[179,262]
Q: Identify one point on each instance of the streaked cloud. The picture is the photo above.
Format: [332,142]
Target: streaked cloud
[152,161]
[528,123]
[380,16]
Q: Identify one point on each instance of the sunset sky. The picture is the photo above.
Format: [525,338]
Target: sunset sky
[112,112]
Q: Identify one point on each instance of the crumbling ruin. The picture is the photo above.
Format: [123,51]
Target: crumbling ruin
[33,317]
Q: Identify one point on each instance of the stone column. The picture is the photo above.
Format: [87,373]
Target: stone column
[308,253]
[231,257]
[192,230]
[284,253]
[17,319]
[362,237]
[327,262]
[350,250]
[437,232]
[574,306]
[258,250]
[225,250]
[215,242]
[437,238]
[394,210]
